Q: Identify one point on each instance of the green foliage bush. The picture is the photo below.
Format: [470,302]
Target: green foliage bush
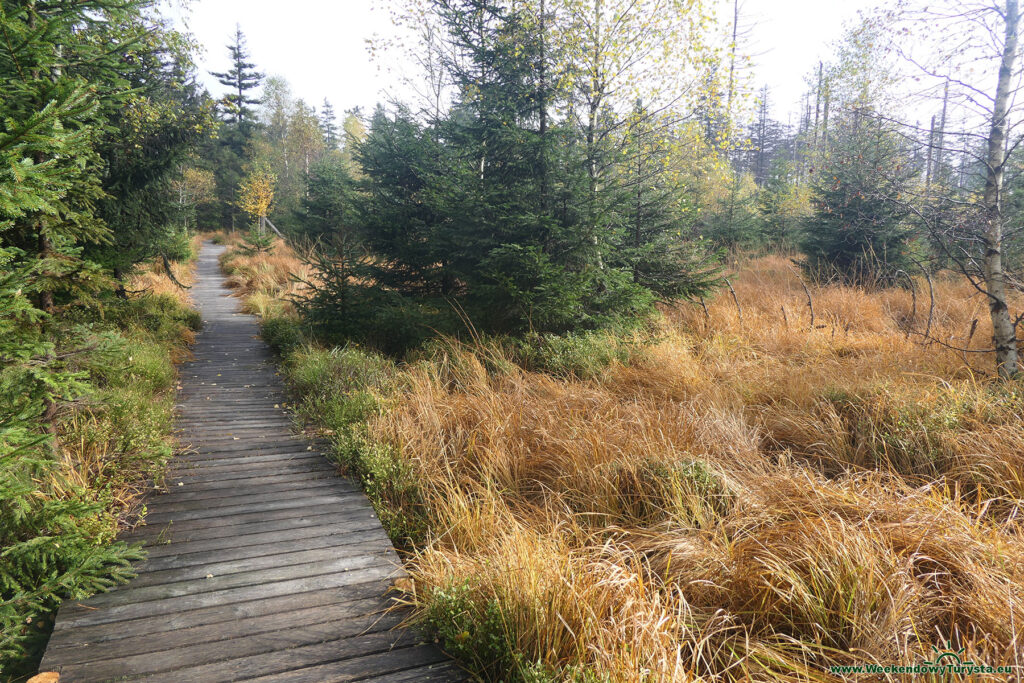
[59,501]
[257,242]
[178,247]
[283,334]
[339,389]
[477,632]
[583,355]
[860,230]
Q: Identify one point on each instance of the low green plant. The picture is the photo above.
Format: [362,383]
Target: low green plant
[283,334]
[583,355]
[68,470]
[257,242]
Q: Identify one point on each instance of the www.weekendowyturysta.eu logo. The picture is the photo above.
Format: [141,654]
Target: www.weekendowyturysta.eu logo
[946,661]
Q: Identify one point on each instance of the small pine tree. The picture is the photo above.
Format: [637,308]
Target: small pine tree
[859,231]
[731,221]
[782,206]
[655,245]
[329,205]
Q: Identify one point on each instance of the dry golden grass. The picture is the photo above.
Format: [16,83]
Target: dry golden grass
[120,434]
[748,499]
[265,282]
[152,277]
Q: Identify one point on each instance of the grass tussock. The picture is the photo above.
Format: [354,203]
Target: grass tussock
[740,496]
[265,281]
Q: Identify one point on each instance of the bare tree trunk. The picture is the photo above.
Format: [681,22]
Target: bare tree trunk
[824,116]
[1004,330]
[542,104]
[928,159]
[732,59]
[940,135]
[593,109]
[817,103]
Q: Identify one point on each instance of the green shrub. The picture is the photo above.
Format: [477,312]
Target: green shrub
[178,247]
[474,629]
[59,509]
[583,355]
[470,629]
[283,334]
[320,372]
[257,242]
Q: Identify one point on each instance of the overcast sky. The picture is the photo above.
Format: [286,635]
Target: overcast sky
[320,46]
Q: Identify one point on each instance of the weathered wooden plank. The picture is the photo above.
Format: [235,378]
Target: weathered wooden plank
[441,671]
[342,541]
[427,664]
[286,446]
[370,609]
[260,535]
[160,626]
[369,548]
[199,460]
[287,659]
[259,464]
[247,644]
[242,480]
[210,512]
[169,534]
[175,500]
[198,476]
[80,615]
[175,494]
[354,504]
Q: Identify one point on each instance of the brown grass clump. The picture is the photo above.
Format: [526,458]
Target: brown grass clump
[266,281]
[152,277]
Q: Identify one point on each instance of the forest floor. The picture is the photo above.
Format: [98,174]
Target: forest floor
[734,494]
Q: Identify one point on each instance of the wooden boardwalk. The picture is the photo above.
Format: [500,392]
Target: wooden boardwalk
[263,564]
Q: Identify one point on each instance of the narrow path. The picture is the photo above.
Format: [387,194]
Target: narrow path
[263,563]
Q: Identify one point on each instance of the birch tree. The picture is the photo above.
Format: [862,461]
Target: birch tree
[970,53]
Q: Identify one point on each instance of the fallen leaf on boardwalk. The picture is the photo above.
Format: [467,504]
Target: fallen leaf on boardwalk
[209,576]
[235,438]
[47,677]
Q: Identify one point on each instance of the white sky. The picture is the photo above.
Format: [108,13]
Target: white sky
[320,46]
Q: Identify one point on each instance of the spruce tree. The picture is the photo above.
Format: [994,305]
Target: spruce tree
[227,153]
[860,230]
[60,77]
[503,214]
[329,204]
[329,125]
[158,127]
[241,79]
[655,245]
